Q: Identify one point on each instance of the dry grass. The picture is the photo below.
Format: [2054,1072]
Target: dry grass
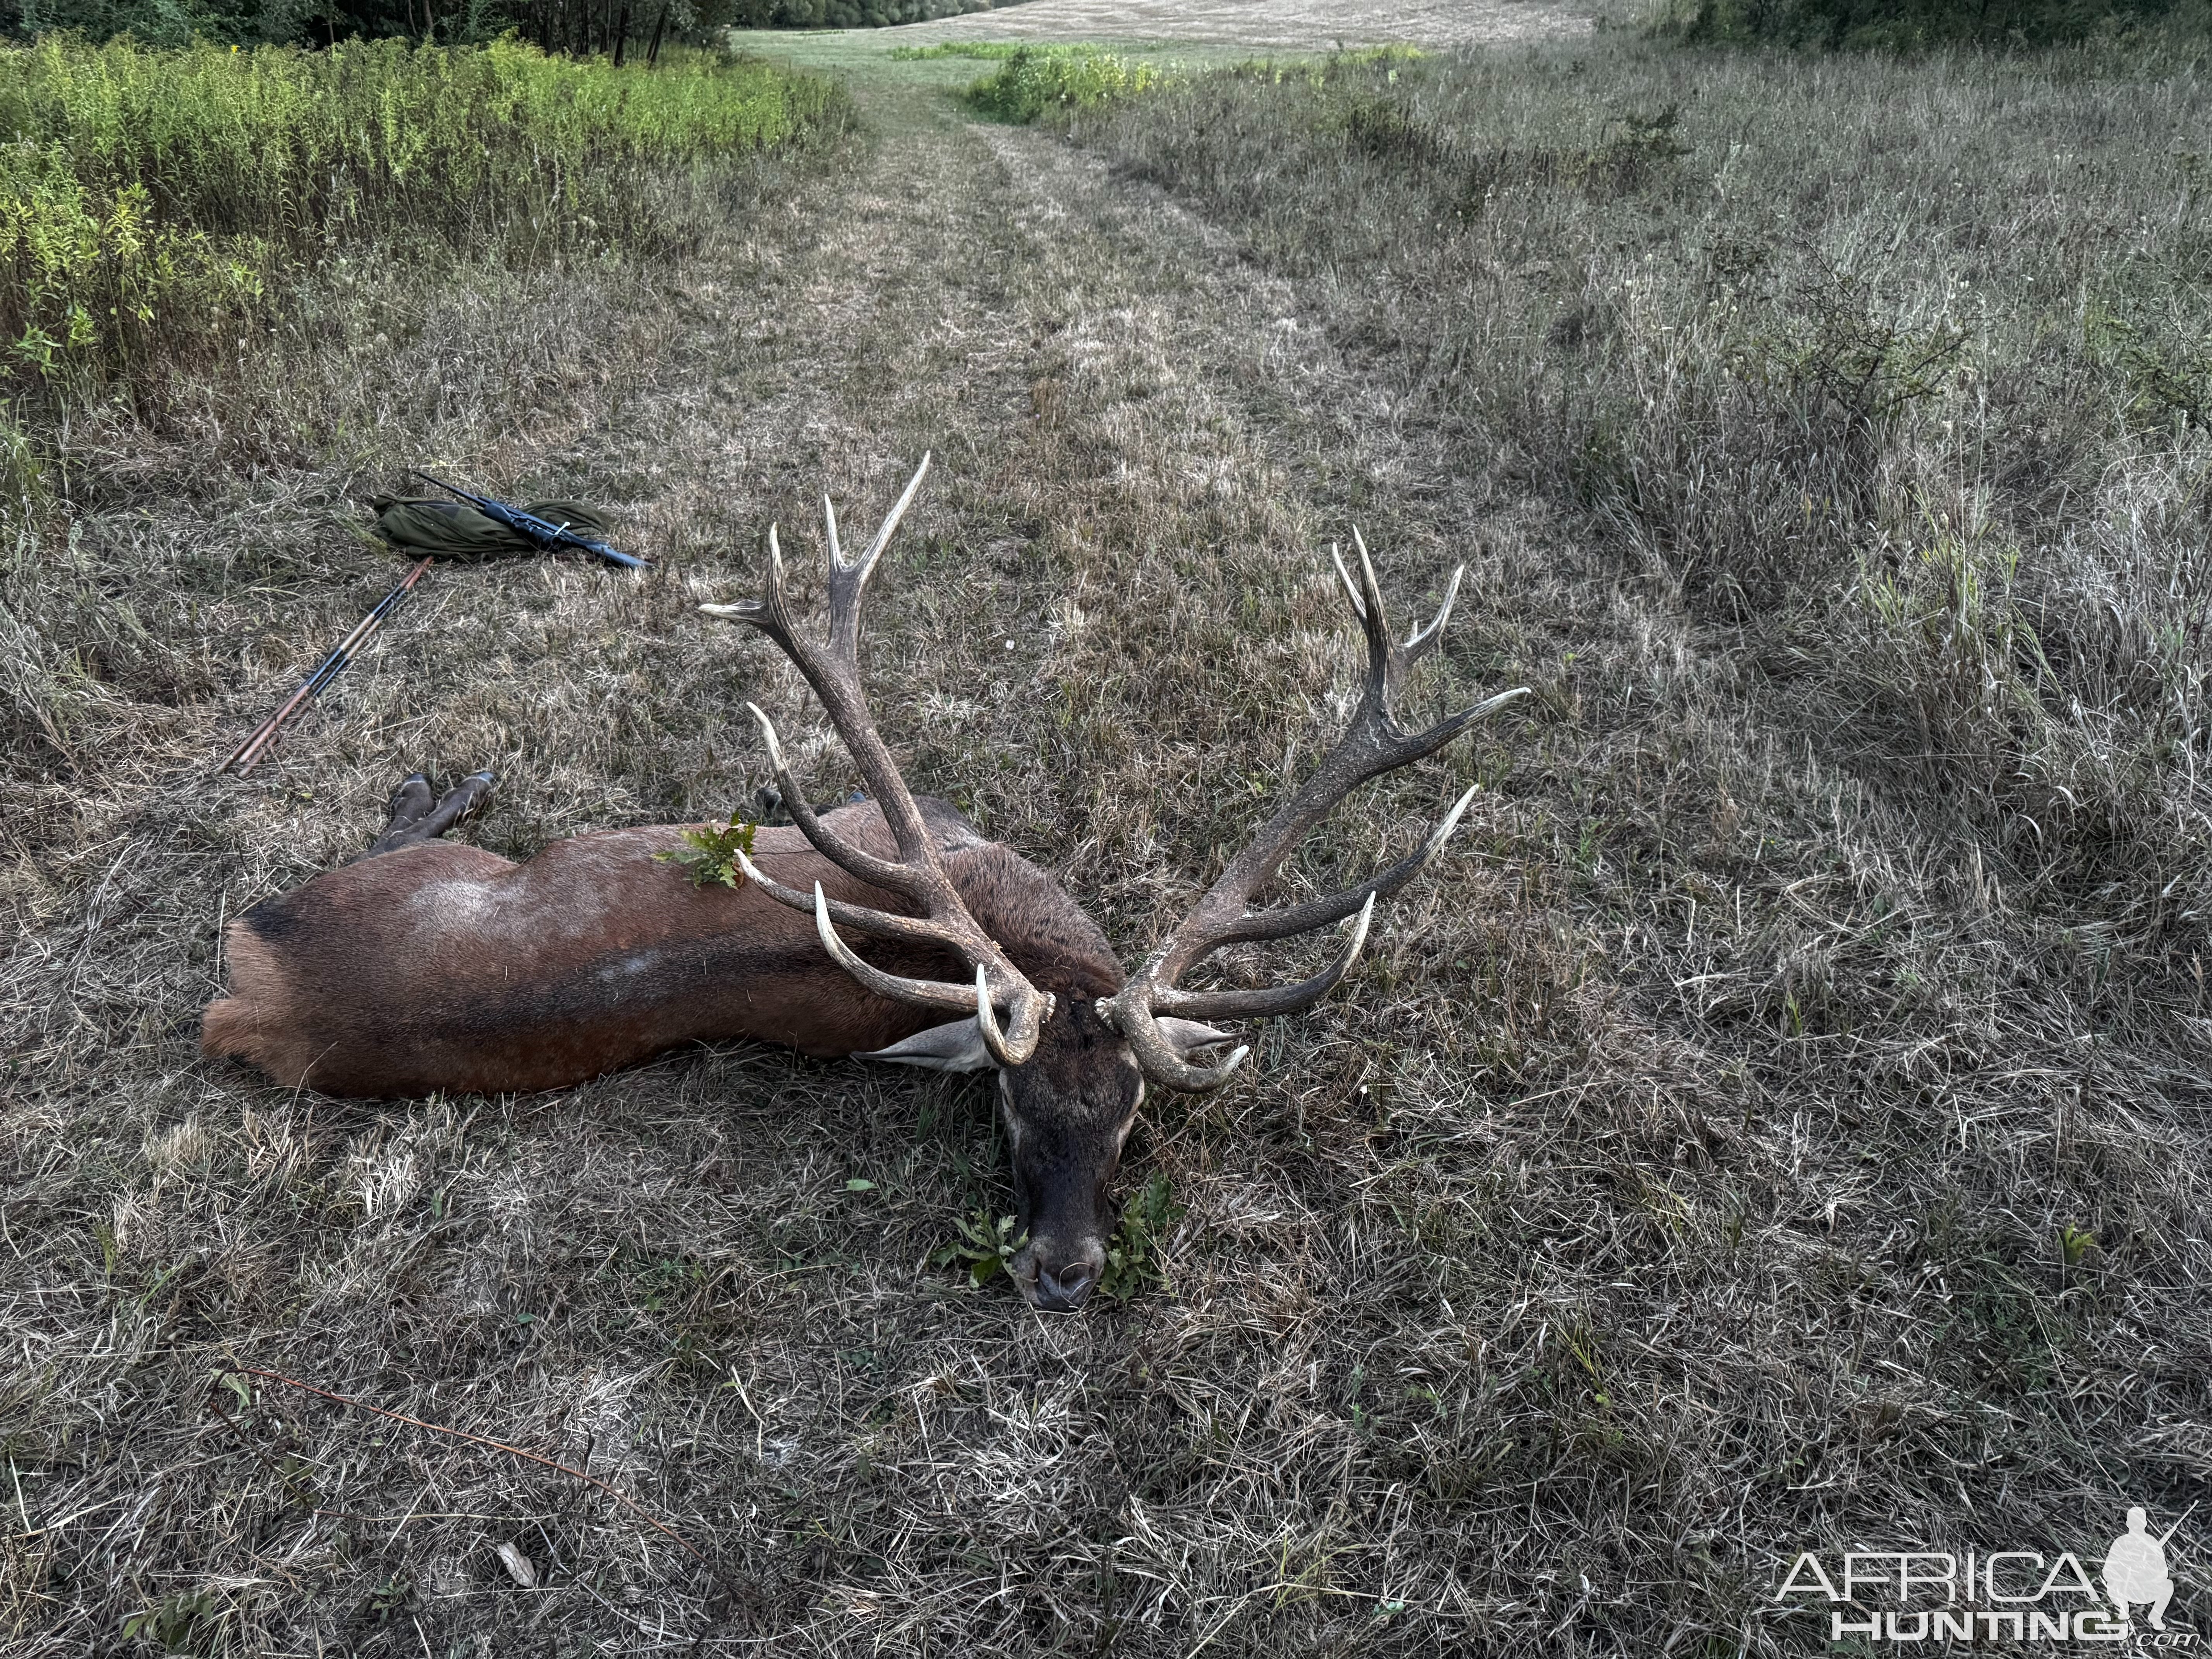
[1681,1183]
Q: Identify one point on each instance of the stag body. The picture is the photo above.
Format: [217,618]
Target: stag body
[428,966]
[433,965]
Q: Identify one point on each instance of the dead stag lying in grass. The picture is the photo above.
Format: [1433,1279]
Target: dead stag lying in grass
[432,966]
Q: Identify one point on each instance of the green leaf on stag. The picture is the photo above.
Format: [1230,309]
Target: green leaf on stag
[711,855]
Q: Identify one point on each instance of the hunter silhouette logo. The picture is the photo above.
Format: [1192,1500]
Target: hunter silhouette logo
[2135,1568]
[1992,1597]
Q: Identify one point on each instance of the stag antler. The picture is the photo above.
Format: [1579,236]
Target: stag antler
[917,873]
[1371,746]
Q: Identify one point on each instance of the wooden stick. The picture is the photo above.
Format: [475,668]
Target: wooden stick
[249,751]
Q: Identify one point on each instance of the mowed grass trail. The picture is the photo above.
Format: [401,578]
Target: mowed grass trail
[1627,1222]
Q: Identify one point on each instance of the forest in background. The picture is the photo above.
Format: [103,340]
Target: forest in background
[618,28]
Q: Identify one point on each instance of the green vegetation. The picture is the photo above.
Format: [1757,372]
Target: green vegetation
[1037,81]
[988,51]
[152,201]
[1132,1259]
[983,1245]
[617,29]
[1915,24]
[184,1622]
[711,855]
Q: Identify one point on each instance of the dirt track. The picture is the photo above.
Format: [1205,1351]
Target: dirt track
[664,1274]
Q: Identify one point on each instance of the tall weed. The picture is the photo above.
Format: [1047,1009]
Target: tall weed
[1036,82]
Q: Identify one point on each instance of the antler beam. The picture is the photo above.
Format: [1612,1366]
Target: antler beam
[832,668]
[1371,745]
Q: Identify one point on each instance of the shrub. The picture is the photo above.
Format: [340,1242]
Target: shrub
[1066,79]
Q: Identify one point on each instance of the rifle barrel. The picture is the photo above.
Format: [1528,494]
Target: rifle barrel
[531,527]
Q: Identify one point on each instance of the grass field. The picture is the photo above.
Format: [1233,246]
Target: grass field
[1779,1122]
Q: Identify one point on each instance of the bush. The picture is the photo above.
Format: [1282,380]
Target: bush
[150,200]
[1038,79]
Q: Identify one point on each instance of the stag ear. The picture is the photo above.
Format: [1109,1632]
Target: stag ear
[1188,1036]
[958,1047]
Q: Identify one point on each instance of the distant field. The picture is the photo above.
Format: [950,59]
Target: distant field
[1276,25]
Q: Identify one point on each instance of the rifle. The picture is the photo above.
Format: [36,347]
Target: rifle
[537,531]
[257,741]
[2176,1526]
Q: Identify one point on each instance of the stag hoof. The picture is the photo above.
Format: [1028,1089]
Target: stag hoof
[415,819]
[409,803]
[460,804]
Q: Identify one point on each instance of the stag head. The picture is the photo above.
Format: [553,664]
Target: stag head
[1073,1056]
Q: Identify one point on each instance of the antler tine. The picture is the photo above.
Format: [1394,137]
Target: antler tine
[1261,925]
[1398,658]
[1279,998]
[1155,1056]
[832,669]
[849,582]
[856,917]
[857,861]
[1371,745]
[923,993]
[1374,621]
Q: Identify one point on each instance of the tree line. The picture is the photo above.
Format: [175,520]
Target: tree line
[620,29]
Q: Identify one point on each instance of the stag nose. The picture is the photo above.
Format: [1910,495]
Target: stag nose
[1065,1291]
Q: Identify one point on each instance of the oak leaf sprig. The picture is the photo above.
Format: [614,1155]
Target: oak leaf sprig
[711,855]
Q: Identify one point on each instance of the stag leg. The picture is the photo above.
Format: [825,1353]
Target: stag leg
[414,818]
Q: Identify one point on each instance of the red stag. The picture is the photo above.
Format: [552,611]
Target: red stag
[428,965]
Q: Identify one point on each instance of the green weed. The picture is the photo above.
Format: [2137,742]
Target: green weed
[180,1623]
[1133,1263]
[984,1245]
[392,1599]
[2074,1244]
[988,51]
[1037,81]
[2165,359]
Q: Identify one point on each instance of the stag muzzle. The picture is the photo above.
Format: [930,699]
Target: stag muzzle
[1064,1288]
